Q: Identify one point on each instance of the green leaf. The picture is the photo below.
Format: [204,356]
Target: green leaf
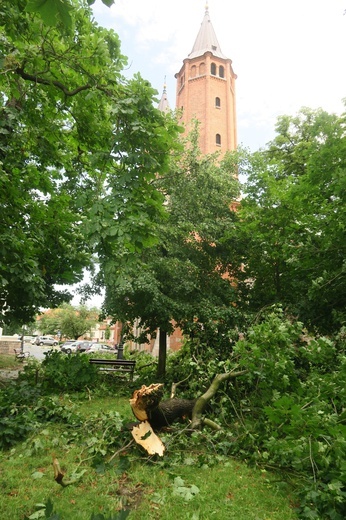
[185,492]
[37,474]
[51,10]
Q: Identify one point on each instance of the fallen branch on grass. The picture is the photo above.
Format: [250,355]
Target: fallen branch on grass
[155,414]
[59,475]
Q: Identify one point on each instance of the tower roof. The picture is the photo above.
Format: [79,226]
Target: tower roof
[206,40]
[163,105]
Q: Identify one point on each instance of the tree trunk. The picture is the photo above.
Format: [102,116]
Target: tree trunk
[146,405]
[161,367]
[156,414]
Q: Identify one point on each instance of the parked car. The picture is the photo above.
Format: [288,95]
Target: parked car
[70,348]
[100,347]
[66,344]
[83,346]
[46,340]
[75,346]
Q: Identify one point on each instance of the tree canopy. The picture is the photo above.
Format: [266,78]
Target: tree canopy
[71,322]
[293,221]
[185,279]
[79,147]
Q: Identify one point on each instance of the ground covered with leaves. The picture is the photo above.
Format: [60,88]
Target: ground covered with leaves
[280,451]
[107,475]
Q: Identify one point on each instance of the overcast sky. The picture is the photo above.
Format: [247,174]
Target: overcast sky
[287,54]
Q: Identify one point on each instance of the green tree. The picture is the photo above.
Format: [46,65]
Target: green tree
[184,280]
[79,148]
[72,322]
[293,221]
[54,11]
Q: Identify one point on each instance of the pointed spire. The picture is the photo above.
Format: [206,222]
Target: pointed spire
[206,40]
[163,105]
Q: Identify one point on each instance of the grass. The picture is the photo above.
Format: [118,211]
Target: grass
[190,482]
[9,362]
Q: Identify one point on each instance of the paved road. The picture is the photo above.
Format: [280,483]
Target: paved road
[37,351]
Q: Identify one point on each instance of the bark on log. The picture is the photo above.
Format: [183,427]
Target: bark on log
[154,415]
[169,411]
[147,406]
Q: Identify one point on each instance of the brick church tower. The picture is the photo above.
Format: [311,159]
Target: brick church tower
[206,91]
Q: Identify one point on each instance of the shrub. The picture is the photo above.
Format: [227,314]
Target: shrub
[67,373]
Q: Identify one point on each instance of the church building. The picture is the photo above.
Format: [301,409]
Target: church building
[205,91]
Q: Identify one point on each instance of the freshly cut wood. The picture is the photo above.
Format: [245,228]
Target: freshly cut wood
[147,406]
[145,399]
[155,414]
[145,436]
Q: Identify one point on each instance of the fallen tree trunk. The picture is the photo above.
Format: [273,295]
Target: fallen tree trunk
[155,414]
[146,405]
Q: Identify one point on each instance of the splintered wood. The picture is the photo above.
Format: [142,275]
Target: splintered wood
[143,400]
[146,437]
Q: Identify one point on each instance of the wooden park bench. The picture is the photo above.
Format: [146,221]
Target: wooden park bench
[18,354]
[115,365]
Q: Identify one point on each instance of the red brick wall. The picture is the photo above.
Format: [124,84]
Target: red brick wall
[197,90]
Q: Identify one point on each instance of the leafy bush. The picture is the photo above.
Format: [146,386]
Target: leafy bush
[291,410]
[17,419]
[63,373]
[23,409]
[287,411]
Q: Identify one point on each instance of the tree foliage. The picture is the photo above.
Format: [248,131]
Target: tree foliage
[185,279]
[72,322]
[79,147]
[293,222]
[286,410]
[54,11]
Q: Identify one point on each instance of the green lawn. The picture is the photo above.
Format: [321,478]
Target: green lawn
[9,362]
[190,482]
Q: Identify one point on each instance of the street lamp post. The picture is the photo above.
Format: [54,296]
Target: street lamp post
[120,354]
[23,340]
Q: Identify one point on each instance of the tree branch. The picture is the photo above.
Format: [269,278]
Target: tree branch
[204,399]
[55,83]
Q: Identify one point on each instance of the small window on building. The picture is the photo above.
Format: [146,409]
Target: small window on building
[213,69]
[217,102]
[202,69]
[218,139]
[193,71]
[221,71]
[182,80]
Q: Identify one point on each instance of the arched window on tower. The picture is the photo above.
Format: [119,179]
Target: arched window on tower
[193,71]
[213,69]
[221,71]
[218,102]
[218,139]
[202,69]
